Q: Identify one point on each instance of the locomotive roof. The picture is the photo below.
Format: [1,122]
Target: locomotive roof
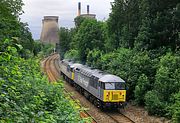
[76,65]
[98,73]
[86,70]
[103,77]
[67,61]
[111,78]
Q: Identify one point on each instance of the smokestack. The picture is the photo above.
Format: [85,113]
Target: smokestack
[79,8]
[87,9]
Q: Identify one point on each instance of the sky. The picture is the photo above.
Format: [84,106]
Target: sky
[65,9]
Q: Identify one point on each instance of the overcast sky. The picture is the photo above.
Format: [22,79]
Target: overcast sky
[65,9]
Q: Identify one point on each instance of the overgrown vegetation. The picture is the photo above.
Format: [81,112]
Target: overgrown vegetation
[25,93]
[140,43]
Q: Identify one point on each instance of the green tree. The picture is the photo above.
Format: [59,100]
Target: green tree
[93,58]
[115,23]
[88,37]
[167,76]
[73,55]
[154,104]
[123,23]
[167,83]
[78,21]
[66,38]
[143,85]
[26,95]
[10,25]
[174,109]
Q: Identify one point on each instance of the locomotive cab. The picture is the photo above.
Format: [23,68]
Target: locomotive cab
[114,90]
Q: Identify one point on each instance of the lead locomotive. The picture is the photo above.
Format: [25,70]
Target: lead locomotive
[102,89]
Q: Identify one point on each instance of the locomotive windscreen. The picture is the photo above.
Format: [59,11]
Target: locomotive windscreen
[115,86]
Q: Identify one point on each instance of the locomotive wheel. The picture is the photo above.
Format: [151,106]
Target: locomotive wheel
[99,104]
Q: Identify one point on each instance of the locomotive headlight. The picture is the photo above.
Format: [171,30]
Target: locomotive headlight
[107,94]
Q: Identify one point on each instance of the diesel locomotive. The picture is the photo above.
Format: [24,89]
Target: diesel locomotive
[102,89]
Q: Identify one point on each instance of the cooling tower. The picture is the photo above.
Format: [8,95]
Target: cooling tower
[50,30]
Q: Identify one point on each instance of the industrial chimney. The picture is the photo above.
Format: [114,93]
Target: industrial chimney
[79,8]
[88,9]
[87,14]
[50,30]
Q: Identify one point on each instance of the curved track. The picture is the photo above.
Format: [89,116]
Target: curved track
[51,66]
[54,77]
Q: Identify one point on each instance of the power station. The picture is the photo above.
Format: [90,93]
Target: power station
[88,12]
[50,30]
[50,27]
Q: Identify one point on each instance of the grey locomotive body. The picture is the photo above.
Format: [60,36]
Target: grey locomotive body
[100,88]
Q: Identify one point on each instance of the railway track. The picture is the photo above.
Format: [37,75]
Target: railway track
[114,117]
[117,117]
[54,77]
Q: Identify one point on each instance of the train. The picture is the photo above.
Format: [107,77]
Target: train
[104,90]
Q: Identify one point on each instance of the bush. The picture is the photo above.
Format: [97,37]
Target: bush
[27,96]
[154,104]
[93,58]
[167,79]
[175,108]
[72,54]
[141,88]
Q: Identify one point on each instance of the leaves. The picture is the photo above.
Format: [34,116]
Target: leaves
[27,96]
[89,36]
[12,28]
[139,42]
[143,85]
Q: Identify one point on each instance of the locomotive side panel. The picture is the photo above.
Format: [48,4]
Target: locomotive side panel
[109,89]
[85,82]
[65,68]
[94,87]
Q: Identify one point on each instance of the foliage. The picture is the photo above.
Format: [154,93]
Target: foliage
[88,37]
[66,38]
[26,95]
[93,58]
[72,54]
[126,64]
[78,21]
[175,108]
[11,8]
[140,43]
[10,25]
[46,49]
[145,24]
[37,47]
[123,23]
[154,104]
[143,85]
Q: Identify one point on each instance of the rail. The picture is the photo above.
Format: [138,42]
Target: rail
[54,78]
